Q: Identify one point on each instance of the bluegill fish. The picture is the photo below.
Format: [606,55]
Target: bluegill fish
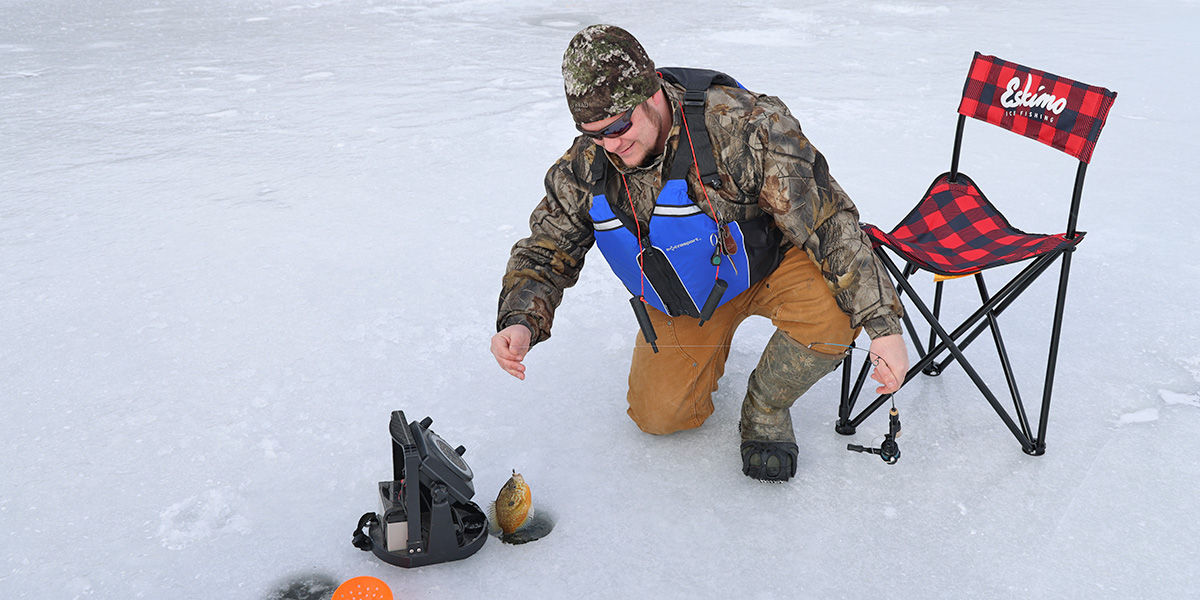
[513,508]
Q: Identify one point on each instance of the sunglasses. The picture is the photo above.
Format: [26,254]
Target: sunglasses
[614,129]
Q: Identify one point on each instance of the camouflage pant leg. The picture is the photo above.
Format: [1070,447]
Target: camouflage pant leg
[804,312]
[785,371]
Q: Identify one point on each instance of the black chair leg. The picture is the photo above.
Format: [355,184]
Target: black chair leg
[953,343]
[1039,447]
[933,370]
[1005,363]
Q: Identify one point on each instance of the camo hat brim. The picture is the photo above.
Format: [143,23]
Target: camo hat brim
[605,73]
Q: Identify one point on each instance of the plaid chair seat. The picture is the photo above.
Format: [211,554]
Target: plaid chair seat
[955,230]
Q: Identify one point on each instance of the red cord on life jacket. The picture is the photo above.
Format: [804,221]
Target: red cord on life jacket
[638,224]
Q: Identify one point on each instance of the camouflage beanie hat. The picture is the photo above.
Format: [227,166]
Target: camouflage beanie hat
[605,73]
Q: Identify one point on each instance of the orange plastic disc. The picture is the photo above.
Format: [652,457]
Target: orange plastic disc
[363,588]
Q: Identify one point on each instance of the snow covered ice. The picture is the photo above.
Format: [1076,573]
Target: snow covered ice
[235,235]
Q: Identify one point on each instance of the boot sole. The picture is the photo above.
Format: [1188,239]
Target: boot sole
[769,461]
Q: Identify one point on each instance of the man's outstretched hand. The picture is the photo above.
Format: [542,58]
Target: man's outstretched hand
[511,344]
[891,362]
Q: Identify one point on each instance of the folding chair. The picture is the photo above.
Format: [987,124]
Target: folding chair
[954,231]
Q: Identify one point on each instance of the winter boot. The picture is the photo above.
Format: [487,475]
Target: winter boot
[785,371]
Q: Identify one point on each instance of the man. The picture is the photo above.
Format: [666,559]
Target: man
[627,184]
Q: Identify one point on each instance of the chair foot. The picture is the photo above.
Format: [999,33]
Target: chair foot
[1035,451]
[932,371]
[844,428]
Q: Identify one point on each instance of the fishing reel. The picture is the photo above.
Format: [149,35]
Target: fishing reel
[427,515]
[889,450]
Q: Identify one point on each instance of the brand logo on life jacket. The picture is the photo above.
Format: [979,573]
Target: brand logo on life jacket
[1016,98]
[682,244]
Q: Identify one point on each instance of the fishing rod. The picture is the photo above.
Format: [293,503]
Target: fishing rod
[888,450]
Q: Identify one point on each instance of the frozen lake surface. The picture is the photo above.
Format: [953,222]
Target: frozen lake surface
[235,235]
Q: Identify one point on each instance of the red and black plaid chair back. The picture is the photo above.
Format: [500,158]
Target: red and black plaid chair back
[1053,110]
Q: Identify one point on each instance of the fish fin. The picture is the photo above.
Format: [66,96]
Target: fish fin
[493,522]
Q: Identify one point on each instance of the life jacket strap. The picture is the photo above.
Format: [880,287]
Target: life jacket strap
[599,176]
[696,83]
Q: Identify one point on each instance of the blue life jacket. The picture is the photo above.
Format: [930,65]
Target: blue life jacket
[683,271]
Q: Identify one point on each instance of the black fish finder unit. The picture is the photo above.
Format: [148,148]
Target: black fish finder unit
[427,515]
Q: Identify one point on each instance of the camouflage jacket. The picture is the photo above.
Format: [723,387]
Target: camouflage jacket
[765,164]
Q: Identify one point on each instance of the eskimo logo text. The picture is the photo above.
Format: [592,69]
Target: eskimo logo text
[1015,97]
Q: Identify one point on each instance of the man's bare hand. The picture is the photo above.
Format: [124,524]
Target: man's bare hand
[510,346]
[891,362]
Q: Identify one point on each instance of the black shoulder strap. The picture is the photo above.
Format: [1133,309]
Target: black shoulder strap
[698,79]
[696,83]
[599,180]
